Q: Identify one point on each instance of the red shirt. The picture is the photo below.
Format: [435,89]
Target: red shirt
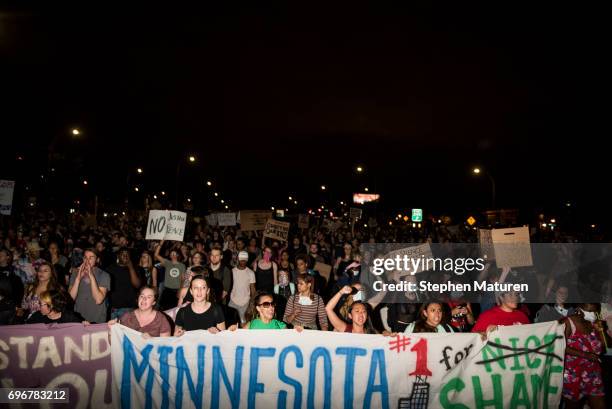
[497,316]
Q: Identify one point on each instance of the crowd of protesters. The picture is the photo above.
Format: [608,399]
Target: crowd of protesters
[57,271]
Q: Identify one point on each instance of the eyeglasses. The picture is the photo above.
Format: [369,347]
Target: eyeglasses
[266,304]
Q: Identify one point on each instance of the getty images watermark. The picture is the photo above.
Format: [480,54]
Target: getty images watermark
[474,272]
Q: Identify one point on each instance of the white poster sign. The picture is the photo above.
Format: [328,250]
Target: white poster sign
[7,187]
[166,225]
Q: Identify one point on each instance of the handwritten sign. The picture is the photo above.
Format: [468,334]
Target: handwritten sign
[166,225]
[277,230]
[251,220]
[519,366]
[303,221]
[73,356]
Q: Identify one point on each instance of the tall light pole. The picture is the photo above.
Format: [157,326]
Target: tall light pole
[478,171]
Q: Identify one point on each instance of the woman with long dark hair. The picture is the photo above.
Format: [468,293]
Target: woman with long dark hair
[44,280]
[260,314]
[304,308]
[431,318]
[357,314]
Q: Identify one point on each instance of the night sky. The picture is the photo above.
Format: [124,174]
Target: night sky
[277,101]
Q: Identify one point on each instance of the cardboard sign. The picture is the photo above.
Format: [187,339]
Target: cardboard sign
[226,219]
[323,269]
[355,213]
[277,230]
[512,247]
[303,221]
[166,225]
[251,220]
[7,187]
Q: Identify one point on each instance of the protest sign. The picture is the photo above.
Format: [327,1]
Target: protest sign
[323,269]
[355,213]
[254,219]
[277,230]
[7,187]
[520,366]
[303,221]
[486,244]
[226,219]
[70,356]
[211,219]
[413,252]
[166,225]
[512,247]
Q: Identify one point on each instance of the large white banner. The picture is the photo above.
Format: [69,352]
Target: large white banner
[519,366]
[7,187]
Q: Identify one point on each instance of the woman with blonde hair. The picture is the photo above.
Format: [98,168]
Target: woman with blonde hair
[147,270]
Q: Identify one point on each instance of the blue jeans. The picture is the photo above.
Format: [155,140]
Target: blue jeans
[117,313]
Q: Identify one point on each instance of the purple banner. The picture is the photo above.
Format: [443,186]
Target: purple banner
[71,356]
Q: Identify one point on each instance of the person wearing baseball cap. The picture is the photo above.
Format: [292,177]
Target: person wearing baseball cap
[243,289]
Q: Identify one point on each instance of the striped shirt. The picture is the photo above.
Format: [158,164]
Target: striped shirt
[309,313]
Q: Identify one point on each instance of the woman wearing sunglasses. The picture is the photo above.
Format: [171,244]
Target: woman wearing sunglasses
[260,314]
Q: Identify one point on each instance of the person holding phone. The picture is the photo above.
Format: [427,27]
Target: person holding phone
[304,308]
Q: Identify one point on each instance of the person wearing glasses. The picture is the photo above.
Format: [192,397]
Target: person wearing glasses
[53,309]
[261,313]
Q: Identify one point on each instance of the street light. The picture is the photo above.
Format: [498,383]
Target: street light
[323,187]
[209,183]
[478,171]
[191,159]
[139,170]
[75,131]
[359,169]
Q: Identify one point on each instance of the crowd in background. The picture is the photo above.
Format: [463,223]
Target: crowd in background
[63,270]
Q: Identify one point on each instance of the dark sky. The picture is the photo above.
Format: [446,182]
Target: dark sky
[277,101]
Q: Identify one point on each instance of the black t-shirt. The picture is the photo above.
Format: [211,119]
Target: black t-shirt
[67,316]
[11,286]
[190,321]
[123,294]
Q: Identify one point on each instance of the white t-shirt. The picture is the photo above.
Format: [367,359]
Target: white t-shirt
[241,290]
